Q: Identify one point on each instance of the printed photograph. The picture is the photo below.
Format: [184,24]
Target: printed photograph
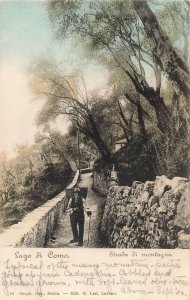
[95,124]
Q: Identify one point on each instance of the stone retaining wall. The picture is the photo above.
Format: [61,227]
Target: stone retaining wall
[38,226]
[148,215]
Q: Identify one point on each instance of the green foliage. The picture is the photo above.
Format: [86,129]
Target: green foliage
[135,162]
[172,154]
[143,160]
[37,174]
[171,16]
[35,191]
[47,183]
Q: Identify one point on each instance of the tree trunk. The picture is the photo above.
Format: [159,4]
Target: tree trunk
[124,131]
[186,33]
[163,51]
[96,137]
[186,46]
[102,148]
[122,115]
[157,72]
[153,97]
[140,119]
[156,101]
[163,115]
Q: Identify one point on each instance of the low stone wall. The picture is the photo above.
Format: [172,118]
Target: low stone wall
[38,226]
[148,215]
[101,182]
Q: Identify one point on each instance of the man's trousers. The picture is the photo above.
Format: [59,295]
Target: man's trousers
[78,231]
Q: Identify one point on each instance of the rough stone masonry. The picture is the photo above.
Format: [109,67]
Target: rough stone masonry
[154,214]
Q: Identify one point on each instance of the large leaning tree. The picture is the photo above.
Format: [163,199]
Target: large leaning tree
[164,53]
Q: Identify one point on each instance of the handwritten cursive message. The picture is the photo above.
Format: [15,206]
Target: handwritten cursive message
[93,272]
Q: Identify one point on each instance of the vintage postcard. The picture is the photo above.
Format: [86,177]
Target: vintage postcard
[94,149]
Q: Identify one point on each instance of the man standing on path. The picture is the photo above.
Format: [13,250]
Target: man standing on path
[77,207]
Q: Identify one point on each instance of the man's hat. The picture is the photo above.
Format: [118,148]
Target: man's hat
[76,190]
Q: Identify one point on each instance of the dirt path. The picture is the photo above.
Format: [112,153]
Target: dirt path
[64,234]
